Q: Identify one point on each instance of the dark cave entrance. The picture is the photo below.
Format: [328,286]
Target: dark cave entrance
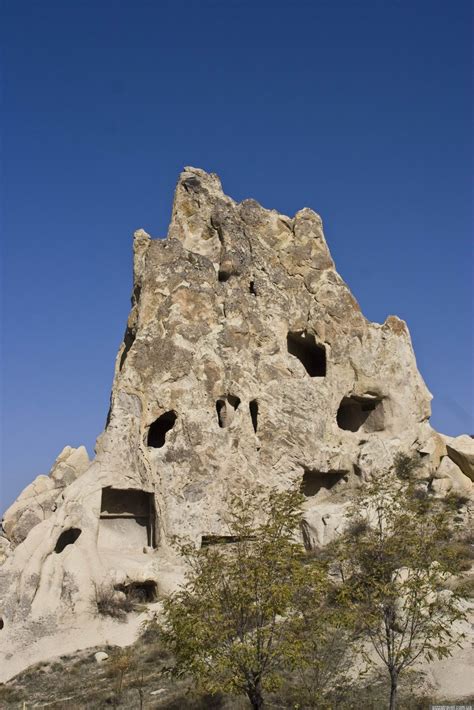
[361,411]
[253,408]
[311,354]
[158,430]
[315,481]
[67,537]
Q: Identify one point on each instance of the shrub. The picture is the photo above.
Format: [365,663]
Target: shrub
[111,602]
[393,572]
[465,588]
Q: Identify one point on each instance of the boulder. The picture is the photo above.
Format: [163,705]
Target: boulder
[101,656]
[460,484]
[461,451]
[434,448]
[37,501]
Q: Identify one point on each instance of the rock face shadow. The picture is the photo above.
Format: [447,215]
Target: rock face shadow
[359,412]
[311,354]
[319,482]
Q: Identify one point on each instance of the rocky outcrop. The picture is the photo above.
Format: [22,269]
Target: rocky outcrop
[40,499]
[246,361]
[461,451]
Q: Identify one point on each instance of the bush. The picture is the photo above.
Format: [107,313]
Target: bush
[406,466]
[457,554]
[9,694]
[465,588]
[111,602]
[151,631]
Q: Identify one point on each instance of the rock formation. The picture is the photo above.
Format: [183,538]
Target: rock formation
[246,360]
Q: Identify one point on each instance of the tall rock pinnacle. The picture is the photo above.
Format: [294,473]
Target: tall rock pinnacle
[246,361]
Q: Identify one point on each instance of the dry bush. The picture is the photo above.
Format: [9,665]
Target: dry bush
[112,603]
[465,587]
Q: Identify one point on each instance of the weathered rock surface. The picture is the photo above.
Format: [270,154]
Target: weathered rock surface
[101,656]
[455,480]
[246,360]
[38,500]
[461,451]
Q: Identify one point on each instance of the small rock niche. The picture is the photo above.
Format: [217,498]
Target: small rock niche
[157,431]
[311,354]
[318,482]
[223,275]
[253,409]
[126,519]
[67,537]
[139,592]
[365,412]
[226,407]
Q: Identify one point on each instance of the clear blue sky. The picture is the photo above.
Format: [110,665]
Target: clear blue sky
[360,110]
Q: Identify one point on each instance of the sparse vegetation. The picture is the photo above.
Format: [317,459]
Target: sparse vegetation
[394,572]
[77,682]
[234,626]
[465,587]
[112,602]
[261,620]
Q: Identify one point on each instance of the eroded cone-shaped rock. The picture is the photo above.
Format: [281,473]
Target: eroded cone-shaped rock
[246,361]
[38,500]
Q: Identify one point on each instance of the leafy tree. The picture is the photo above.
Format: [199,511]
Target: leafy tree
[234,624]
[393,564]
[325,641]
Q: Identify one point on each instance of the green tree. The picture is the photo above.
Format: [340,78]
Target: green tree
[325,640]
[233,626]
[393,564]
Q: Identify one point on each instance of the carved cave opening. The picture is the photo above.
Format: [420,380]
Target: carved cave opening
[361,411]
[67,537]
[158,430]
[126,519]
[1,623]
[252,288]
[139,592]
[315,481]
[223,275]
[311,354]
[253,408]
[226,408]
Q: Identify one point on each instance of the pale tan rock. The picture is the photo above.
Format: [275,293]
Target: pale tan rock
[461,451]
[70,464]
[434,448]
[38,500]
[441,486]
[41,490]
[246,361]
[101,656]
[5,549]
[461,484]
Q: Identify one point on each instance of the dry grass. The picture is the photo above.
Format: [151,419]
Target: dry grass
[112,603]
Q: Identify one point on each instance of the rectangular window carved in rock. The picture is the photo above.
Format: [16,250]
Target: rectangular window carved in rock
[126,519]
